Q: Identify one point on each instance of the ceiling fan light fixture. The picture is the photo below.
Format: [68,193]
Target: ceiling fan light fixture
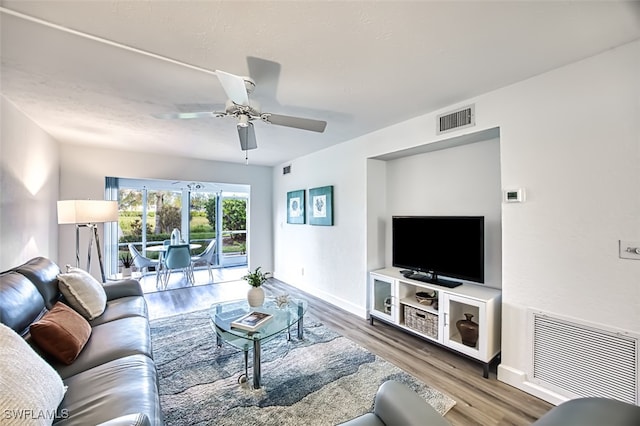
[243,121]
[247,137]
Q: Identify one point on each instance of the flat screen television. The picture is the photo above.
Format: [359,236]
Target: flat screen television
[429,246]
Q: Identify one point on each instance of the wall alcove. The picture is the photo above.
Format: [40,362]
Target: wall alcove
[456,176]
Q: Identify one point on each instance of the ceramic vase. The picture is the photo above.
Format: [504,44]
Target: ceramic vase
[387,305]
[255,296]
[468,330]
[126,272]
[175,236]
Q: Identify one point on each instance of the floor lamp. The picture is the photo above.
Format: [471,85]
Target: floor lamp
[87,214]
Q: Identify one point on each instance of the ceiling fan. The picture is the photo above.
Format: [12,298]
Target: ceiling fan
[246,110]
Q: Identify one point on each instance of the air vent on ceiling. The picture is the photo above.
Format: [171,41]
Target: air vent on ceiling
[465,117]
[286,170]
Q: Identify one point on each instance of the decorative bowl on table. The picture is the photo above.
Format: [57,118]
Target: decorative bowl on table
[426,298]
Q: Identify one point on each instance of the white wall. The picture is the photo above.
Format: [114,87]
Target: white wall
[324,260]
[458,181]
[573,140]
[570,137]
[28,189]
[83,172]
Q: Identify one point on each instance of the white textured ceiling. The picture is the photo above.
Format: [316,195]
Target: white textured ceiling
[76,68]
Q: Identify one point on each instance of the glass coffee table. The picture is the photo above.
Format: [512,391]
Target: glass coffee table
[283,318]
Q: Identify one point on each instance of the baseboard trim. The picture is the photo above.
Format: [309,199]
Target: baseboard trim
[518,379]
[329,298]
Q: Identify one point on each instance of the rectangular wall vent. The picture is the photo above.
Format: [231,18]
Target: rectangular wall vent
[465,117]
[580,360]
[286,170]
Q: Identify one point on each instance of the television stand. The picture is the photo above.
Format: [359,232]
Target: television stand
[432,279]
[393,299]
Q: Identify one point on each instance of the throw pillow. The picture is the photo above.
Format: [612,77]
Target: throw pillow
[83,292]
[30,386]
[61,333]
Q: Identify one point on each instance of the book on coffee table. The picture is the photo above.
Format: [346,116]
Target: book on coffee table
[251,321]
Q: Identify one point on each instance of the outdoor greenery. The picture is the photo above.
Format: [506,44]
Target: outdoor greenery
[132,224]
[164,214]
[168,218]
[234,213]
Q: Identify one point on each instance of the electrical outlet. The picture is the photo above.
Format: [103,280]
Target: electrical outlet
[630,250]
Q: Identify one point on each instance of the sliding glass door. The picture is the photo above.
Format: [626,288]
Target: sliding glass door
[149,210]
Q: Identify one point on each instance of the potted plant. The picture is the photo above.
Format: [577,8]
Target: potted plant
[255,279]
[127,262]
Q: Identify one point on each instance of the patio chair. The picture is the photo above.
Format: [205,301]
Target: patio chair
[141,262]
[207,257]
[177,256]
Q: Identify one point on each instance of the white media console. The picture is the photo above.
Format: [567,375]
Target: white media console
[392,299]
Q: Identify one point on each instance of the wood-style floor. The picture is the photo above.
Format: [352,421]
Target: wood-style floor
[151,282]
[479,401]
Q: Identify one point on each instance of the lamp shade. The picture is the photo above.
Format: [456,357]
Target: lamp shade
[87,211]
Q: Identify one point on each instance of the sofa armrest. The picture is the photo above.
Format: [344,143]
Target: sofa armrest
[137,419]
[396,404]
[591,411]
[122,288]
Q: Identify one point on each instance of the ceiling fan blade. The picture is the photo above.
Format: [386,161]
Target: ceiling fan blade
[296,122]
[199,106]
[247,137]
[234,87]
[188,115]
[266,74]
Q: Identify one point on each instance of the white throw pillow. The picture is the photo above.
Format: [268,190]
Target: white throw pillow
[83,292]
[31,388]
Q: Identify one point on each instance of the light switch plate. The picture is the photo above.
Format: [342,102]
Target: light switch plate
[630,250]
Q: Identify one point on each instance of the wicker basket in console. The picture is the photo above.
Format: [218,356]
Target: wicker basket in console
[421,321]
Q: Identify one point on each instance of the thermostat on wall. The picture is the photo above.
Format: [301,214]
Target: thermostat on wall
[514,195]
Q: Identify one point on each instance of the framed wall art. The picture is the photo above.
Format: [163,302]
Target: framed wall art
[321,206]
[295,206]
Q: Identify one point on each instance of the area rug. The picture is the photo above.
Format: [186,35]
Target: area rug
[324,379]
